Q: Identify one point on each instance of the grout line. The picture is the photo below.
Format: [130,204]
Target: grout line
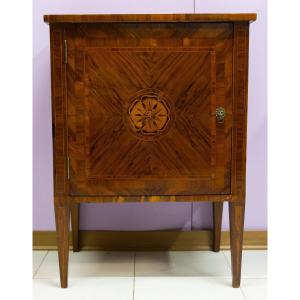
[243,293]
[134,259]
[227,262]
[244,276]
[194,6]
[40,264]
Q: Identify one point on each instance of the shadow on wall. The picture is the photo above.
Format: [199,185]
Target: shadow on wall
[146,216]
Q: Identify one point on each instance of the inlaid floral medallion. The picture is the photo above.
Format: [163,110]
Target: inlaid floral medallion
[149,114]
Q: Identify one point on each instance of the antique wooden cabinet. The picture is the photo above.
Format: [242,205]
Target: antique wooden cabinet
[149,108]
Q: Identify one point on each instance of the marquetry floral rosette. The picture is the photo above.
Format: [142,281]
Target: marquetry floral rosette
[149,114]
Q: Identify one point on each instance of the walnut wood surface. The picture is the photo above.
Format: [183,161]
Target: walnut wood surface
[75,215]
[141,199]
[149,18]
[217,225]
[240,100]
[133,112]
[236,218]
[191,154]
[58,92]
[62,218]
[240,106]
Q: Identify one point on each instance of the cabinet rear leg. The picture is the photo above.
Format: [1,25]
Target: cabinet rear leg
[75,211]
[236,218]
[217,225]
[62,218]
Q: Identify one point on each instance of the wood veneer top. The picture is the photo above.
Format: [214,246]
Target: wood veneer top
[144,18]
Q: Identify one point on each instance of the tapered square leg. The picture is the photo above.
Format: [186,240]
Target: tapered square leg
[75,211]
[62,218]
[217,225]
[236,218]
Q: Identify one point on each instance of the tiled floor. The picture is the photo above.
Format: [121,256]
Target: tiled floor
[150,276]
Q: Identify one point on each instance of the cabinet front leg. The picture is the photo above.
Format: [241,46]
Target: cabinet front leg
[75,211]
[62,218]
[217,225]
[236,218]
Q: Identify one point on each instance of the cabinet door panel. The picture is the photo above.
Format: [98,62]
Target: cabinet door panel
[141,109]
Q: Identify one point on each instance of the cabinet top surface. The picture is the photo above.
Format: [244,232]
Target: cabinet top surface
[145,18]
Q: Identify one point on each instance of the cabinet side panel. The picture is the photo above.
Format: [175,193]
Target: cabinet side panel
[240,99]
[58,108]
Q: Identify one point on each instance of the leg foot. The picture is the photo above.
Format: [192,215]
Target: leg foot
[236,218]
[62,217]
[217,225]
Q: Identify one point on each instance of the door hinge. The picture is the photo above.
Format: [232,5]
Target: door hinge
[65,52]
[68,167]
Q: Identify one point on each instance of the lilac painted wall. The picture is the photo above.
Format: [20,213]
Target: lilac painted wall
[150,216]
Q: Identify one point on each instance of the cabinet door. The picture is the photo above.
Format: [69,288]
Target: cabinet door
[141,109]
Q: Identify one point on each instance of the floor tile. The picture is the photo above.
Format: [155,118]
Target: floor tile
[254,263]
[37,258]
[90,263]
[108,288]
[254,289]
[181,263]
[189,288]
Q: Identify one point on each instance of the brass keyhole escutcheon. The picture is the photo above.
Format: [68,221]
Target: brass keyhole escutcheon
[220,114]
